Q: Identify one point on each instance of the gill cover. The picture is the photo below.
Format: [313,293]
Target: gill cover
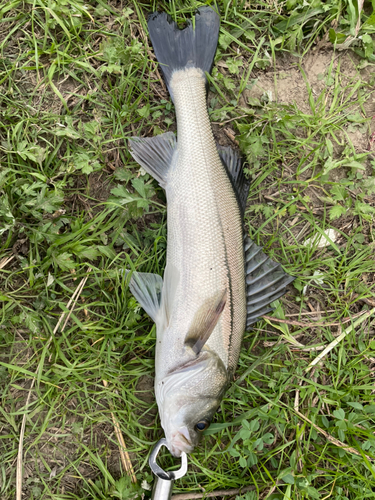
[189,396]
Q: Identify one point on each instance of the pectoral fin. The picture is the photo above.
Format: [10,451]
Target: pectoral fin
[205,321]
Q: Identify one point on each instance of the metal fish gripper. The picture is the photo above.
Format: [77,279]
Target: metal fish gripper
[163,484]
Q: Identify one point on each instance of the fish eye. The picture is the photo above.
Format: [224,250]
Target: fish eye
[202,425]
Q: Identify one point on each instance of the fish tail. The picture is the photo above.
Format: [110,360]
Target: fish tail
[192,47]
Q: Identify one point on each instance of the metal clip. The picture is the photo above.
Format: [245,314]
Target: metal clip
[164,480]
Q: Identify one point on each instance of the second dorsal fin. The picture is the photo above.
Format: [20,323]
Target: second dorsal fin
[233,164]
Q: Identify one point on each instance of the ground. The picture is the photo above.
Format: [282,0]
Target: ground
[292,89]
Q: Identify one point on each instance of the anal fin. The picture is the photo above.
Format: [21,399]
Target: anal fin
[155,154]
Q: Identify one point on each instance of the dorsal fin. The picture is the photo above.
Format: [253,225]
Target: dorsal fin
[266,281]
[232,162]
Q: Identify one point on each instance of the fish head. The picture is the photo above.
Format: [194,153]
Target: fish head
[188,398]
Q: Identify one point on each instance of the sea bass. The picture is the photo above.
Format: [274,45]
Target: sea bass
[216,281]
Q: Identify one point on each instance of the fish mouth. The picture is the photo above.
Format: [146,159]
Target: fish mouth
[180,442]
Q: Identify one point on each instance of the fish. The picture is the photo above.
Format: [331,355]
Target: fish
[217,281]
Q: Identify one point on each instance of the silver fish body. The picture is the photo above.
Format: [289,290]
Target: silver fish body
[205,234]
[213,286]
[205,251]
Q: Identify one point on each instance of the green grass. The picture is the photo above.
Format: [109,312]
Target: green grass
[76,80]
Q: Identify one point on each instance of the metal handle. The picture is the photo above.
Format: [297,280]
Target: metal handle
[164,480]
[162,489]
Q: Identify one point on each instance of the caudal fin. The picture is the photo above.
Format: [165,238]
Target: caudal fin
[191,47]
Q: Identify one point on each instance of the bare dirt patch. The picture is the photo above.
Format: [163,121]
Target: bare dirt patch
[100,186]
[287,84]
